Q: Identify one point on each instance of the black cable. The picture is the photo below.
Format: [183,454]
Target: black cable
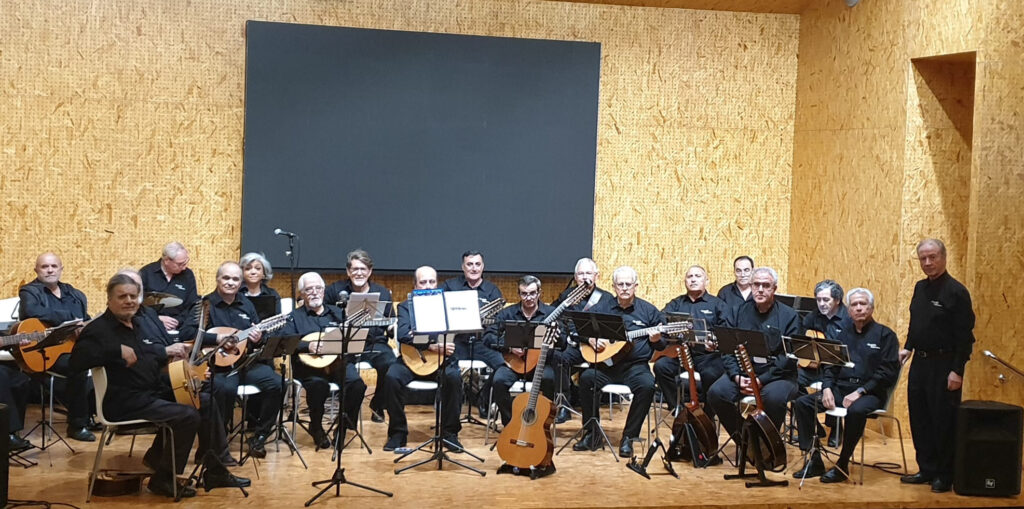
[41,503]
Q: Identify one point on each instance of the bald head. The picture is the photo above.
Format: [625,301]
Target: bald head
[425,278]
[49,269]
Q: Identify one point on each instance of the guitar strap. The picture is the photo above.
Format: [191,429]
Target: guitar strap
[595,296]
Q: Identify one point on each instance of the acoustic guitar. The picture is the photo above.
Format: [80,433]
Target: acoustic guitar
[225,358]
[424,362]
[527,442]
[680,447]
[32,329]
[773,450]
[187,374]
[525,365]
[618,350]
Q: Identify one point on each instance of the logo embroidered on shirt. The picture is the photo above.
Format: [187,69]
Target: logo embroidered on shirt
[936,303]
[706,311]
[179,286]
[874,346]
[243,316]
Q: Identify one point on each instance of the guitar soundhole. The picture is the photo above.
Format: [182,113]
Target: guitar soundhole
[529,416]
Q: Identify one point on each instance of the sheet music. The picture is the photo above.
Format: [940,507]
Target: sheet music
[369,301]
[429,312]
[463,309]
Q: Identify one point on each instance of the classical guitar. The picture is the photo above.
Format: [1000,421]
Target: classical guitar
[33,330]
[527,442]
[424,362]
[773,450]
[620,349]
[187,374]
[225,358]
[525,365]
[680,447]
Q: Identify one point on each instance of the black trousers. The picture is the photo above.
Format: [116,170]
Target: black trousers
[265,406]
[14,387]
[724,394]
[381,359]
[451,398]
[504,378]
[666,370]
[856,417]
[933,412]
[481,352]
[640,381]
[317,384]
[74,391]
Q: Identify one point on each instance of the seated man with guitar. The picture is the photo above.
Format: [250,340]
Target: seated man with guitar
[421,362]
[232,314]
[699,304]
[312,320]
[377,353]
[170,274]
[629,367]
[53,302]
[136,390]
[776,375]
[586,274]
[520,362]
[862,389]
[828,321]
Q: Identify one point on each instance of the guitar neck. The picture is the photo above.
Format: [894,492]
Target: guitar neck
[18,338]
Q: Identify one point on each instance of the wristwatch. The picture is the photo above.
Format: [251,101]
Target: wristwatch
[861,391]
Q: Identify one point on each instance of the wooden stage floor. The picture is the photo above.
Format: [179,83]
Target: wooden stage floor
[591,479]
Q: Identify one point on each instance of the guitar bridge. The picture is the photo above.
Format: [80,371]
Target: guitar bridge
[523,443]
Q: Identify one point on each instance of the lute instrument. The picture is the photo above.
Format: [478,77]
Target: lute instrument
[772,448]
[226,358]
[360,318]
[693,415]
[618,350]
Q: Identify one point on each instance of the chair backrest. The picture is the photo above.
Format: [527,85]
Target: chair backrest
[287,305]
[9,309]
[99,383]
[887,407]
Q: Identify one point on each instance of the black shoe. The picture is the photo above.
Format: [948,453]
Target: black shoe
[224,479]
[626,448]
[376,415]
[941,485]
[917,478]
[93,425]
[394,442]
[835,435]
[257,446]
[320,438]
[563,415]
[228,460]
[814,467]
[17,443]
[451,442]
[164,487]
[81,434]
[585,444]
[833,475]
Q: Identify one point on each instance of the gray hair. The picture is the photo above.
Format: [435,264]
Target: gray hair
[528,280]
[935,242]
[863,291]
[361,255]
[626,271]
[766,270]
[172,249]
[582,261]
[833,288]
[220,269]
[301,284]
[121,279]
[248,258]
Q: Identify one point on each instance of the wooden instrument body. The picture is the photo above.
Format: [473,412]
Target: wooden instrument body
[421,362]
[34,362]
[620,349]
[522,365]
[226,359]
[526,442]
[186,381]
[692,413]
[809,364]
[773,449]
[320,361]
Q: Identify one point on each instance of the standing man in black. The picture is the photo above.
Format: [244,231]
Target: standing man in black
[777,376]
[631,370]
[54,302]
[941,337]
[136,390]
[399,375]
[699,304]
[738,291]
[861,389]
[379,354]
[314,315]
[170,274]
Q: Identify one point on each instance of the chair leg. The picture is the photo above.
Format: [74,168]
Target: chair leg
[131,447]
[96,462]
[899,429]
[490,417]
[863,467]
[174,463]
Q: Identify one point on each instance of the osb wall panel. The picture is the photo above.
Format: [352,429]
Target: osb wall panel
[941,27]
[776,6]
[123,127]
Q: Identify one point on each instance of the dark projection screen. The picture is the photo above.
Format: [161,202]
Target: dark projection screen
[418,147]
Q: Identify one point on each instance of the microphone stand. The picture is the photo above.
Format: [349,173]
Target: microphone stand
[474,380]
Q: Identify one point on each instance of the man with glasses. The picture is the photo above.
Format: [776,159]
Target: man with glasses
[170,274]
[777,374]
[315,315]
[529,309]
[585,273]
[631,370]
[738,291]
[379,354]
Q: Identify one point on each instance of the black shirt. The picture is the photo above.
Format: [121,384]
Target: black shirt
[37,301]
[942,319]
[830,327]
[780,320]
[239,314]
[486,292]
[182,285]
[713,310]
[732,295]
[150,329]
[639,315]
[333,293]
[304,321]
[875,354]
[494,336]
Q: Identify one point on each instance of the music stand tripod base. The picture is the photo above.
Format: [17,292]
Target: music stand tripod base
[749,440]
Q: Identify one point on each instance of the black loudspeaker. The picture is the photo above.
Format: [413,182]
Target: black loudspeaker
[988,449]
[4,448]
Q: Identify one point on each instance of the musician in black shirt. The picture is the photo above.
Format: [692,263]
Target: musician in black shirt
[170,274]
[472,279]
[777,376]
[313,316]
[359,266]
[941,337]
[136,390]
[829,320]
[54,302]
[256,271]
[530,308]
[862,389]
[585,273]
[738,291]
[699,304]
[399,375]
[631,370]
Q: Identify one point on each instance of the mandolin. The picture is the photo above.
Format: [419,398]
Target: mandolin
[225,358]
[680,447]
[614,352]
[773,450]
[424,362]
[358,319]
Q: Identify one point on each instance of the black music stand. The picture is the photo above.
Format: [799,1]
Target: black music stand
[356,345]
[198,475]
[282,346]
[241,368]
[338,477]
[604,326]
[58,335]
[824,352]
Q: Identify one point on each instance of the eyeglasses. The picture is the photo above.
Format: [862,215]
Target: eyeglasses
[527,295]
[625,285]
[313,289]
[359,270]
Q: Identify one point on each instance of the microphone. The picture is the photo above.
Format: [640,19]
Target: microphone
[342,298]
[278,231]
